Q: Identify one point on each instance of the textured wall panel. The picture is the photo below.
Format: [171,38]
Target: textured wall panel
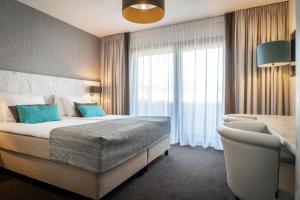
[33,42]
[47,86]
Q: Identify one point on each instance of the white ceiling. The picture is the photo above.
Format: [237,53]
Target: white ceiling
[104,17]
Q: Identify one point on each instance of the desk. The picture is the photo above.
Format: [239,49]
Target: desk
[282,126]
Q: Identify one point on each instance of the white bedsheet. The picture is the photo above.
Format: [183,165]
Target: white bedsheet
[42,130]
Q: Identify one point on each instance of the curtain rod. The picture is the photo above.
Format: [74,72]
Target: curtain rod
[207,17]
[198,19]
[259,6]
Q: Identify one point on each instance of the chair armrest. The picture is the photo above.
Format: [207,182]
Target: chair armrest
[241,117]
[251,125]
[250,137]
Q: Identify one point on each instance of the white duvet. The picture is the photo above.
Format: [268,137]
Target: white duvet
[42,130]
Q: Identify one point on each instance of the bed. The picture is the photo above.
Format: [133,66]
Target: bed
[25,150]
[28,149]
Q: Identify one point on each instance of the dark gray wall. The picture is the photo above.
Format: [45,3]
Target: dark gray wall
[33,42]
[297,196]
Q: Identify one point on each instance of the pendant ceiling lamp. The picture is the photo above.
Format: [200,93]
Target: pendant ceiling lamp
[143,11]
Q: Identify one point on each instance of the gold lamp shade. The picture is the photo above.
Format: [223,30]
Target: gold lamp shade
[143,11]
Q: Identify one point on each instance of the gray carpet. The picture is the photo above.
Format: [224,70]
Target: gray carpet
[187,173]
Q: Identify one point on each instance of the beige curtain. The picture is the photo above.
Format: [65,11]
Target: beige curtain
[114,74]
[251,88]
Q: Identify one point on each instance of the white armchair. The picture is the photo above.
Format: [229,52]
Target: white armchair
[252,159]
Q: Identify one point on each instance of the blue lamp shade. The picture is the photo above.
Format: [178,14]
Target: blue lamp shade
[277,53]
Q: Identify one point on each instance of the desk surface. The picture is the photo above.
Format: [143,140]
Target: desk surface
[282,126]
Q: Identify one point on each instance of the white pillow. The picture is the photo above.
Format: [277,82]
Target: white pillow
[10,99]
[68,103]
[59,102]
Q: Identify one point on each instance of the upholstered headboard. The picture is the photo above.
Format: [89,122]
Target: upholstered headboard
[47,86]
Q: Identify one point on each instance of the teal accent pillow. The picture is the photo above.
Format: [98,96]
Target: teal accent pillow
[38,114]
[91,111]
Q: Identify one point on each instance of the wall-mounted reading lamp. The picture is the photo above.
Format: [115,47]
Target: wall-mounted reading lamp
[274,54]
[96,90]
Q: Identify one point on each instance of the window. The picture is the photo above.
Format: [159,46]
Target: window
[177,71]
[155,77]
[202,75]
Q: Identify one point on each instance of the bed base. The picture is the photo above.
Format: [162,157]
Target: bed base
[77,180]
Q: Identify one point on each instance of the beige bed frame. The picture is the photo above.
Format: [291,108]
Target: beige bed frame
[28,156]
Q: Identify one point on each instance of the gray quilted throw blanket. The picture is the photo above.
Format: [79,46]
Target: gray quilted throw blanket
[100,146]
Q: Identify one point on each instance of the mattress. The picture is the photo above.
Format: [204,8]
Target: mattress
[32,139]
[135,134]
[33,146]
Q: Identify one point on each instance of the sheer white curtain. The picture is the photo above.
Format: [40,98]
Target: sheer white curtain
[178,71]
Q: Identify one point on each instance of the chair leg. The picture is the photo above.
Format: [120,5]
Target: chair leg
[236,198]
[276,194]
